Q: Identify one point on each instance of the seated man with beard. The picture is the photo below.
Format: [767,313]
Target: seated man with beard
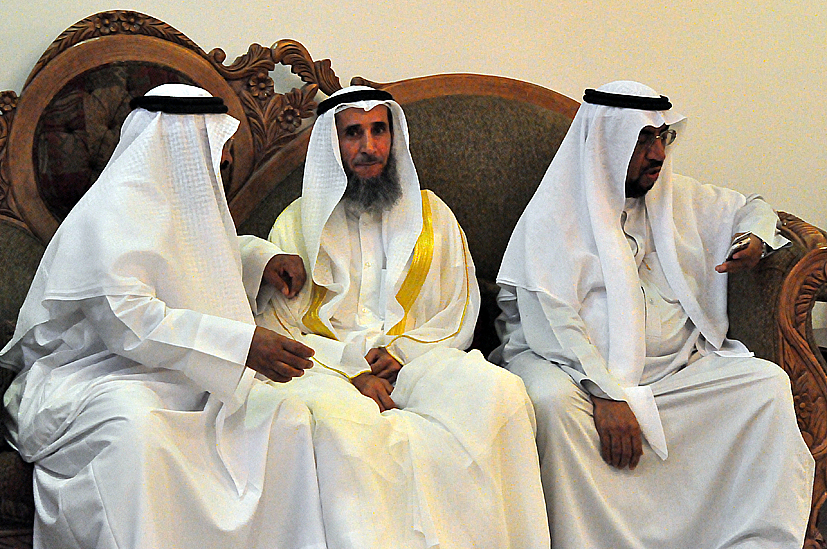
[417,443]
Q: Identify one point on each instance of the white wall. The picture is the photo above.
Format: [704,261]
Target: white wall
[751,75]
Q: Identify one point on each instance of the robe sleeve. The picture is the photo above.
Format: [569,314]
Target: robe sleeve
[446,310]
[553,330]
[255,253]
[209,350]
[758,217]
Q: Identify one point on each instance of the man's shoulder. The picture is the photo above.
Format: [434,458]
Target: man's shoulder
[704,199]
[292,210]
[683,182]
[438,205]
[289,217]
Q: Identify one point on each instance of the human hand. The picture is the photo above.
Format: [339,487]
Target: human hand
[744,259]
[382,364]
[376,388]
[277,357]
[285,272]
[620,439]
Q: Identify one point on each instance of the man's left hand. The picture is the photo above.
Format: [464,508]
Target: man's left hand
[745,259]
[376,388]
[285,272]
[382,364]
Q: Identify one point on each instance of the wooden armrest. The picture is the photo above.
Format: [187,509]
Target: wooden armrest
[799,353]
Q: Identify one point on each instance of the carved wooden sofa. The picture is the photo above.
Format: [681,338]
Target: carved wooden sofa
[482,143]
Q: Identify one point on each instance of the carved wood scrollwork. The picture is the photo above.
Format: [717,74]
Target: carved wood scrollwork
[274,119]
[8,104]
[293,54]
[806,369]
[109,23]
[797,230]
[359,81]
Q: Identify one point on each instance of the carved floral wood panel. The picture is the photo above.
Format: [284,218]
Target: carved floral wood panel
[273,118]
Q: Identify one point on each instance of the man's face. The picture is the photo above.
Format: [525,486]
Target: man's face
[364,140]
[646,162]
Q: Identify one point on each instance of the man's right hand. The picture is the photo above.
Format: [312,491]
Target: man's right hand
[277,357]
[285,272]
[619,432]
[376,388]
[382,364]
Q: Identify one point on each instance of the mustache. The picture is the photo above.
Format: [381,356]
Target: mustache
[365,158]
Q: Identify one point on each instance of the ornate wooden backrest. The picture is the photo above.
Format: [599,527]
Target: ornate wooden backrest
[58,135]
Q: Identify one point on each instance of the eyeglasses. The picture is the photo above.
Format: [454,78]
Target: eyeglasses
[647,139]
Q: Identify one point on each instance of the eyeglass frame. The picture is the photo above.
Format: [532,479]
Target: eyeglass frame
[667,137]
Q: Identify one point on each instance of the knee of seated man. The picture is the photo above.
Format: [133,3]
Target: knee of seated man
[555,395]
[290,411]
[118,422]
[773,377]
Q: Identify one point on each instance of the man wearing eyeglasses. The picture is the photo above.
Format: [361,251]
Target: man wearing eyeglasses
[654,428]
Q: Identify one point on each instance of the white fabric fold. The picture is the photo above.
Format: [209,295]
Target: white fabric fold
[642,402]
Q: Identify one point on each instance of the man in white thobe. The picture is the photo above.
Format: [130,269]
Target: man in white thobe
[132,397]
[418,443]
[654,428]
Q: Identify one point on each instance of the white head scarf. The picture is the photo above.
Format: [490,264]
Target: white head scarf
[573,223]
[323,225]
[156,223]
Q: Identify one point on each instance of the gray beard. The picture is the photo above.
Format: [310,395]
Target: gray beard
[375,194]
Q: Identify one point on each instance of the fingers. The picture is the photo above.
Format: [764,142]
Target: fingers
[616,457]
[277,357]
[625,452]
[621,443]
[298,349]
[282,285]
[383,391]
[605,447]
[377,389]
[385,402]
[382,364]
[373,355]
[744,259]
[286,272]
[293,274]
[621,451]
[637,451]
[292,354]
[274,375]
[386,374]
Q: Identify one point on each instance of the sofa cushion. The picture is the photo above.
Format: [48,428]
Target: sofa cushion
[20,254]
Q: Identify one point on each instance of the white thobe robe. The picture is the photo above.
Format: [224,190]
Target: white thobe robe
[738,473]
[455,466]
[126,447]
